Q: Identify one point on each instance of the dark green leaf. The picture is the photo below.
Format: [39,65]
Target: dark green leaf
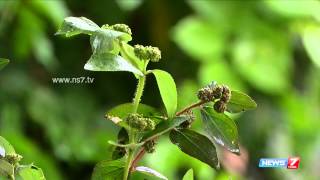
[195,145]
[188,175]
[31,173]
[165,126]
[110,62]
[123,138]
[168,90]
[109,170]
[3,62]
[221,129]
[150,172]
[8,148]
[6,169]
[76,25]
[240,102]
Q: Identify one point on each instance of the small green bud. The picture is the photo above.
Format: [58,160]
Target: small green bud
[220,106]
[118,27]
[205,94]
[150,125]
[147,53]
[149,146]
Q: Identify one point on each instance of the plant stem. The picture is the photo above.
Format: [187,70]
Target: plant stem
[188,108]
[132,134]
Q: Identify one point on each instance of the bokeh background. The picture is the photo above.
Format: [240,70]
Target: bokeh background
[269,49]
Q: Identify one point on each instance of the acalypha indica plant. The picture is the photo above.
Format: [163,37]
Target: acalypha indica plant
[141,125]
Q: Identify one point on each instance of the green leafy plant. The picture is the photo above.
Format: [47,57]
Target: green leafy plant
[141,125]
[10,167]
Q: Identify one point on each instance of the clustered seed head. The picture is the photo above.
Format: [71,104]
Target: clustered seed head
[205,94]
[118,27]
[220,106]
[187,124]
[147,52]
[149,146]
[140,123]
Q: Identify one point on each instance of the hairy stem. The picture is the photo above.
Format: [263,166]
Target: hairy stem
[132,134]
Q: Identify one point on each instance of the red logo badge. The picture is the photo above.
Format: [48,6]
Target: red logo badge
[293,162]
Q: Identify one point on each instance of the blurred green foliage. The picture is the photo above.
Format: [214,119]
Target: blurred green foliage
[267,48]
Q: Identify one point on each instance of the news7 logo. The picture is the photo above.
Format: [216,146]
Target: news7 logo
[293,162]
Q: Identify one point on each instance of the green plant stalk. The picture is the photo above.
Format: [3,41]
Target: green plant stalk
[132,134]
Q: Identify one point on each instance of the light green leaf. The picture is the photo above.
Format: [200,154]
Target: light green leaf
[6,169]
[3,62]
[76,25]
[123,110]
[168,90]
[165,126]
[31,173]
[109,170]
[221,129]
[127,52]
[188,175]
[8,148]
[110,62]
[150,172]
[240,102]
[311,41]
[195,145]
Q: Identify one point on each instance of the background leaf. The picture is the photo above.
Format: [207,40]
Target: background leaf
[221,129]
[109,170]
[150,172]
[195,145]
[188,175]
[168,90]
[76,25]
[110,62]
[240,102]
[3,62]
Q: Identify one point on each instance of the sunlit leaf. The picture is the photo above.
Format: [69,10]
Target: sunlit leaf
[8,148]
[240,102]
[109,170]
[6,169]
[165,126]
[221,129]
[151,172]
[168,90]
[195,145]
[110,62]
[188,175]
[3,62]
[311,41]
[31,173]
[76,25]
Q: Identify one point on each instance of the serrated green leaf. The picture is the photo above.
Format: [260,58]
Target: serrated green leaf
[150,172]
[76,25]
[188,175]
[195,145]
[8,148]
[240,102]
[109,170]
[6,169]
[221,129]
[165,126]
[168,90]
[110,62]
[311,41]
[3,62]
[30,173]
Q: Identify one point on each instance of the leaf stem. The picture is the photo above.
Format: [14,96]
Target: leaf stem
[188,108]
